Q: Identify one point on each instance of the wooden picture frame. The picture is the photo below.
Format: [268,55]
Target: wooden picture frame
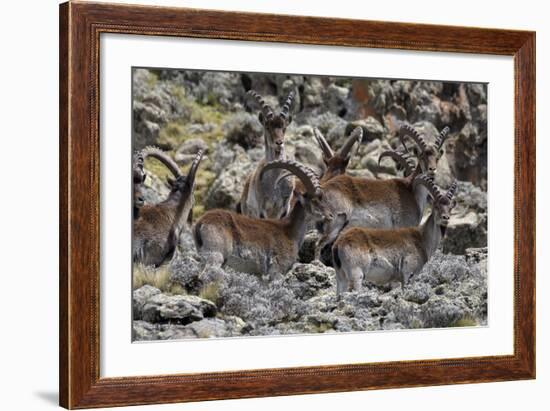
[80,27]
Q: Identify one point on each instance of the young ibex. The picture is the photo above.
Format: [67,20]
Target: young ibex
[157,229]
[139,175]
[267,247]
[336,163]
[260,197]
[382,256]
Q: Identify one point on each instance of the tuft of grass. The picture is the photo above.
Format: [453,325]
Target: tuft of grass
[172,135]
[152,79]
[465,321]
[157,277]
[211,292]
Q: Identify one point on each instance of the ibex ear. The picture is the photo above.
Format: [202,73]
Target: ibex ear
[289,119]
[170,181]
[261,117]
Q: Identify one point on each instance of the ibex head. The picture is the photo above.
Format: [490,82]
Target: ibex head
[443,202]
[336,163]
[427,153]
[139,175]
[185,183]
[274,124]
[312,197]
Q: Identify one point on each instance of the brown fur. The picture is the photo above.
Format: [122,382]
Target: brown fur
[363,191]
[372,239]
[266,233]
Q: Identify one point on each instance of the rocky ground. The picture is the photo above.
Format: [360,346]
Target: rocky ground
[184,111]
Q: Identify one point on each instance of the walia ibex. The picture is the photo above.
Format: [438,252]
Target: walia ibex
[382,256]
[336,163]
[260,197]
[390,203]
[139,175]
[157,229]
[427,154]
[267,247]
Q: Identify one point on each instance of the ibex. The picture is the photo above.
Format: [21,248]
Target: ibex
[260,197]
[139,175]
[428,154]
[267,247]
[382,256]
[336,163]
[157,229]
[365,202]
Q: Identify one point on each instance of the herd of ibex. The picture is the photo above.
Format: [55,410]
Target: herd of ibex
[374,225]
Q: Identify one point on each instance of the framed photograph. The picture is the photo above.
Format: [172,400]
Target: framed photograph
[259,205]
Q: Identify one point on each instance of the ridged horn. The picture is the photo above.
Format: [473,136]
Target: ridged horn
[452,190]
[194,167]
[429,183]
[325,147]
[407,163]
[286,107]
[407,130]
[305,174]
[441,137]
[161,156]
[266,108]
[356,136]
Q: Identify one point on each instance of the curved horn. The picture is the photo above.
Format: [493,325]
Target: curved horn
[161,156]
[305,174]
[356,136]
[441,137]
[325,147]
[407,130]
[428,182]
[286,107]
[452,190]
[266,108]
[194,167]
[406,163]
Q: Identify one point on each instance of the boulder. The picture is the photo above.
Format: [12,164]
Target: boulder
[225,191]
[180,309]
[305,280]
[372,129]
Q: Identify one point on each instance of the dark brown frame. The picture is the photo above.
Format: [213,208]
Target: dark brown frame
[80,27]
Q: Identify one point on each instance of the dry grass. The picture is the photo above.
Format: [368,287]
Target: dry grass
[156,277]
[211,292]
[465,321]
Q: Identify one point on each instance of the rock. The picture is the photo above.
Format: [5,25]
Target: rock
[155,190]
[468,155]
[144,331]
[186,152]
[216,327]
[140,298]
[424,103]
[468,224]
[192,146]
[244,129]
[180,309]
[305,280]
[225,191]
[372,129]
[336,99]
[185,272]
[417,293]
